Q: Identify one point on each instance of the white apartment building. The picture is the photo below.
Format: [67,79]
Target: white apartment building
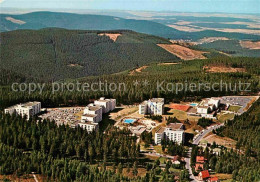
[28,109]
[207,107]
[106,104]
[153,106]
[173,132]
[203,109]
[93,111]
[89,126]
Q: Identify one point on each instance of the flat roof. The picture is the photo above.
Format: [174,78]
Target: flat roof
[26,104]
[174,126]
[31,103]
[90,115]
[204,107]
[94,108]
[157,100]
[103,100]
[160,130]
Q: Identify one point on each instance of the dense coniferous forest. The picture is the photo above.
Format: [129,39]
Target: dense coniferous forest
[246,130]
[60,152]
[55,54]
[232,47]
[185,72]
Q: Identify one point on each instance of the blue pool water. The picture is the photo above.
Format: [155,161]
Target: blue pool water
[129,120]
[193,104]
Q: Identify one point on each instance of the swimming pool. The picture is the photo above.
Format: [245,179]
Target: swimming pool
[129,120]
[193,104]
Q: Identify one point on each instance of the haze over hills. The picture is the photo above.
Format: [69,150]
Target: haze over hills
[38,20]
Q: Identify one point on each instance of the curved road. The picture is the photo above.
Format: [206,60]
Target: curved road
[196,142]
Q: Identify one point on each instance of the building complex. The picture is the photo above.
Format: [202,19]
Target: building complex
[27,109]
[208,108]
[153,106]
[92,114]
[173,132]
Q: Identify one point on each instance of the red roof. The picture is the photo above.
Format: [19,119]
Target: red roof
[205,174]
[198,166]
[175,158]
[200,159]
[213,179]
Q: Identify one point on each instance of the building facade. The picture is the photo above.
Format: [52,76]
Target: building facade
[89,126]
[93,111]
[27,109]
[92,114]
[153,106]
[106,104]
[207,108]
[173,132]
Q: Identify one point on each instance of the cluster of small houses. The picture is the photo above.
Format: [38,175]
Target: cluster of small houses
[203,174]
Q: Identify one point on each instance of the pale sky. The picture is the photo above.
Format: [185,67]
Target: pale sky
[228,6]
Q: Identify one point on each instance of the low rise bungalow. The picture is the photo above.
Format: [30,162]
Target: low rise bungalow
[213,179]
[204,175]
[199,165]
[200,159]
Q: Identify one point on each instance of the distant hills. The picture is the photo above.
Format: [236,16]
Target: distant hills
[56,54]
[38,20]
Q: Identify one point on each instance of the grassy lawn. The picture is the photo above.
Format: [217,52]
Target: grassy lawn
[181,115]
[162,160]
[106,120]
[158,149]
[224,117]
[234,108]
[175,171]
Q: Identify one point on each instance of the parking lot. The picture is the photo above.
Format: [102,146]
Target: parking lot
[63,115]
[237,100]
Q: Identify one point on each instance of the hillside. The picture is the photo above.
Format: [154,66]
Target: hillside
[55,54]
[38,20]
[232,47]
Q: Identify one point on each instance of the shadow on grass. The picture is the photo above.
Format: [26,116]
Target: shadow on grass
[166,111]
[106,120]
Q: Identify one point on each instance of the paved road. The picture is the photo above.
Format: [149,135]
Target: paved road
[205,132]
[35,178]
[196,142]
